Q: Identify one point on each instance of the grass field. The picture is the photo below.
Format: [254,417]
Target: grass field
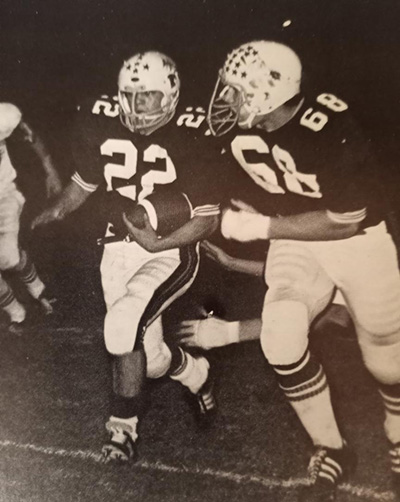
[54,403]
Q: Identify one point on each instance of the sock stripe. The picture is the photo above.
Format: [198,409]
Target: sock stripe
[312,382]
[7,298]
[311,393]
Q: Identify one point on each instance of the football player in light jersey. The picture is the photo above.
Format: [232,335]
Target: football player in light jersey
[313,169]
[134,143]
[12,257]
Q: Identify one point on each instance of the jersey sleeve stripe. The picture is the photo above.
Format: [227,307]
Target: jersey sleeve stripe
[89,187]
[207,210]
[351,217]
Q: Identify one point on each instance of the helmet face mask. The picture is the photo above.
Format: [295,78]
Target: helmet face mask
[148,93]
[266,74]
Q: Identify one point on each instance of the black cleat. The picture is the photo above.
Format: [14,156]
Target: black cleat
[394,454]
[121,447]
[203,404]
[327,469]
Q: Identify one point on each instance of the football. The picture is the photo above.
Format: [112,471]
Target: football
[167,210]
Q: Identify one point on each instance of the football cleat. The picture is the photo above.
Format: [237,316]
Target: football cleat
[121,447]
[394,454]
[46,305]
[203,404]
[327,469]
[17,328]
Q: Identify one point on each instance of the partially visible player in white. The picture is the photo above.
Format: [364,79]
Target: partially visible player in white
[12,257]
[324,218]
[132,143]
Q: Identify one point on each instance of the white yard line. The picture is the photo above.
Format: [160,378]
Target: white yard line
[361,492]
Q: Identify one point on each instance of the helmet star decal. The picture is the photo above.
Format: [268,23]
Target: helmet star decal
[149,72]
[256,79]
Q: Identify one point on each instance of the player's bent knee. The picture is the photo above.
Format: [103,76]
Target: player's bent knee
[10,260]
[284,334]
[120,330]
[382,361]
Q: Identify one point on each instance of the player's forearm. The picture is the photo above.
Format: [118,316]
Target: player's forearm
[312,226]
[197,229]
[249,267]
[38,147]
[72,197]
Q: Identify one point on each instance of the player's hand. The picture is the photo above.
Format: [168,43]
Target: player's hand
[53,184]
[244,226]
[145,237]
[205,333]
[45,217]
[218,255]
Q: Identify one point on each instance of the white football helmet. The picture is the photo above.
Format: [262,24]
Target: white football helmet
[144,72]
[256,79]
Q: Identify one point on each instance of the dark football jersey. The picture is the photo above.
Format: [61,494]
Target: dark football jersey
[179,153]
[319,160]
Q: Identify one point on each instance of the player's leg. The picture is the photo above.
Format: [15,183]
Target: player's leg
[28,276]
[118,267]
[10,210]
[190,371]
[299,290]
[372,290]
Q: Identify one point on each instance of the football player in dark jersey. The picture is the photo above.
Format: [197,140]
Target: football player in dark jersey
[317,204]
[13,258]
[132,142]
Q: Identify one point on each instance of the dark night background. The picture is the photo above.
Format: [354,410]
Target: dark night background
[54,53]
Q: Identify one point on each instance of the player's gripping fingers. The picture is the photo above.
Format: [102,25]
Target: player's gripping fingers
[188,333]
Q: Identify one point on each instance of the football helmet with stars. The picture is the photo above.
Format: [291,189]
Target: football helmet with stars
[143,74]
[256,79]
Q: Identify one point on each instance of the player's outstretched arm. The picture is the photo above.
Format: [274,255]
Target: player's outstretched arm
[195,230]
[215,253]
[245,226]
[52,179]
[72,197]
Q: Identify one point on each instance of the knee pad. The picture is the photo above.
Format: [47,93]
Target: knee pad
[157,352]
[284,333]
[121,326]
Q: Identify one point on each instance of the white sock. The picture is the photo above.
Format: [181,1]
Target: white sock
[16,311]
[194,372]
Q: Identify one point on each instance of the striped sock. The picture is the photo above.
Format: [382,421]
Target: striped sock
[29,277]
[192,373]
[391,401]
[10,304]
[306,387]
